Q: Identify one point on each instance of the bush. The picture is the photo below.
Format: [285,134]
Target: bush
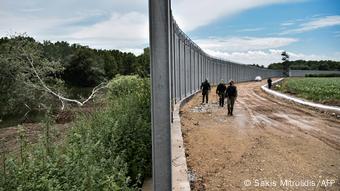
[107,150]
[323,75]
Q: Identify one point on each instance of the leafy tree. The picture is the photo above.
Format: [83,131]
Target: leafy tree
[256,65]
[143,63]
[83,70]
[110,64]
[323,66]
[21,61]
[126,64]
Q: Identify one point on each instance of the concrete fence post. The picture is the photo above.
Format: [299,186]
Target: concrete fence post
[160,19]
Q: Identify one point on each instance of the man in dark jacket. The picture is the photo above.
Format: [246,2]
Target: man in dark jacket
[220,91]
[205,87]
[269,81]
[231,94]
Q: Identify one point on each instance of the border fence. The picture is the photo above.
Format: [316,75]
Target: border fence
[190,65]
[178,66]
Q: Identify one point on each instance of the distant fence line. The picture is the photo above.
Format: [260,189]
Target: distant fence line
[301,73]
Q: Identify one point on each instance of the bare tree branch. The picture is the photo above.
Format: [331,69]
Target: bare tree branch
[60,97]
[29,110]
[62,104]
[94,91]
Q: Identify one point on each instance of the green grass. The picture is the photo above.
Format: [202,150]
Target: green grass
[322,90]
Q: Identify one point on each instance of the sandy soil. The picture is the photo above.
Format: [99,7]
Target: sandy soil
[267,145]
[9,137]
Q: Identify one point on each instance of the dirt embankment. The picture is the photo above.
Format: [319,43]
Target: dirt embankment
[267,145]
[9,136]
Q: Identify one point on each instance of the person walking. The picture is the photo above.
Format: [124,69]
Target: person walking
[231,94]
[220,91]
[205,87]
[269,81]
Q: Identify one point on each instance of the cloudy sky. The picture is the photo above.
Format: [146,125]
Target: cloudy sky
[246,31]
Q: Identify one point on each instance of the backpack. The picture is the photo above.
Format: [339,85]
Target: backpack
[231,91]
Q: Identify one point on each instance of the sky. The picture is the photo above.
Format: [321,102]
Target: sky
[245,31]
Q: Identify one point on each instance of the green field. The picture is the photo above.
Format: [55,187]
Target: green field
[322,90]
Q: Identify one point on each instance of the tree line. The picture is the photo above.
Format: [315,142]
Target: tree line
[84,66]
[308,65]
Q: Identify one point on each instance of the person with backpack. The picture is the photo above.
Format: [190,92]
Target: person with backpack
[269,81]
[220,91]
[231,94]
[205,87]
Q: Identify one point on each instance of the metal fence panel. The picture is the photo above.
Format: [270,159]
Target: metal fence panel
[177,68]
[192,71]
[200,69]
[187,70]
[182,69]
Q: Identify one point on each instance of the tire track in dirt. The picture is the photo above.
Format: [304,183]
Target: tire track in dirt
[267,140]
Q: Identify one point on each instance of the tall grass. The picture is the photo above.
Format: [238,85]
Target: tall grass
[109,149]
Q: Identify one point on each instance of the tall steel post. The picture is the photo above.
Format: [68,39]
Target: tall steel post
[159,19]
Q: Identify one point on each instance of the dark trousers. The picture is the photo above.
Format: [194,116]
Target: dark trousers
[205,95]
[270,85]
[221,99]
[231,102]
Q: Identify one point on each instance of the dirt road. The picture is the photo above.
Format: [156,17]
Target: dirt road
[267,145]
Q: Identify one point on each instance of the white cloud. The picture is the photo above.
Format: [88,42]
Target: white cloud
[120,31]
[40,23]
[31,10]
[266,57]
[287,24]
[336,34]
[135,51]
[106,24]
[131,25]
[315,24]
[191,14]
[244,43]
[251,29]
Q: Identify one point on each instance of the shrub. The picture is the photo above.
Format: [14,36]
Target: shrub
[323,75]
[109,149]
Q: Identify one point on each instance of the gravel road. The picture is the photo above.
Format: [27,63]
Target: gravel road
[267,145]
